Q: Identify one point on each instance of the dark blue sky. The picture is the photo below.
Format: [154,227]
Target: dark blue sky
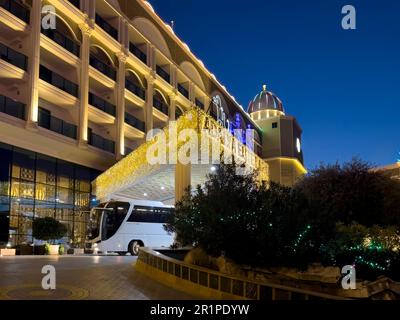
[343,86]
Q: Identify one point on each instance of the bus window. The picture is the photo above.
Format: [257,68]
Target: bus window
[150,214]
[112,219]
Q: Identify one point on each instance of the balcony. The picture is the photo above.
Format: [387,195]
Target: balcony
[163,74]
[76,3]
[16,8]
[13,57]
[135,89]
[99,142]
[107,27]
[63,41]
[160,105]
[49,122]
[199,104]
[102,105]
[12,108]
[137,52]
[134,122]
[103,68]
[183,91]
[58,81]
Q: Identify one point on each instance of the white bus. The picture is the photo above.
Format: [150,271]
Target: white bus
[123,225]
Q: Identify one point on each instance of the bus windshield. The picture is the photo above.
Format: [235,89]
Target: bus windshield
[93,227]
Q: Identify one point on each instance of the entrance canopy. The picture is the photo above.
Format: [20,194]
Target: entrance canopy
[181,155]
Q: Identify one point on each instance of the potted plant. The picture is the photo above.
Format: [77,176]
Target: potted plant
[49,230]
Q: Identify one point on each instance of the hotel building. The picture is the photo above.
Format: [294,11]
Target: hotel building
[78,99]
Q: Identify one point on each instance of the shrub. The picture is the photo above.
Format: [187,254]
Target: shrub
[48,229]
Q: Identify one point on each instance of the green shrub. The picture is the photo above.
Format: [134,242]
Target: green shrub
[48,229]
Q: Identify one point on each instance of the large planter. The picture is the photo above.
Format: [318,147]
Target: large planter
[54,249]
[24,250]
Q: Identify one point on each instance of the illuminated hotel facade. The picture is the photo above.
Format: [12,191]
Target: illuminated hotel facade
[78,99]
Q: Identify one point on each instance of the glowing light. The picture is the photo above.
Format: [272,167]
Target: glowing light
[213,169]
[298,145]
[163,188]
[150,6]
[145,194]
[186,46]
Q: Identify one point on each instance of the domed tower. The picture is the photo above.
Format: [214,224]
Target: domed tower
[281,138]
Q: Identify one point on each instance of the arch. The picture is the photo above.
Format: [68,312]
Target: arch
[162,95]
[65,22]
[135,74]
[151,32]
[190,70]
[104,52]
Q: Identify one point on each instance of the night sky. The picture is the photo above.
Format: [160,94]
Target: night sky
[342,85]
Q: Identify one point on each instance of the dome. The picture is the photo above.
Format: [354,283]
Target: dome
[265,100]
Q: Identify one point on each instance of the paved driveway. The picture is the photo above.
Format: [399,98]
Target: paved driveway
[80,277]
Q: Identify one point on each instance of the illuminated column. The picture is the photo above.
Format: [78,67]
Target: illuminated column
[174,78]
[192,94]
[148,112]
[34,65]
[172,105]
[207,102]
[87,29]
[120,152]
[151,56]
[182,180]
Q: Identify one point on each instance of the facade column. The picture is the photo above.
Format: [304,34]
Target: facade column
[87,29]
[172,105]
[174,78]
[148,112]
[120,146]
[182,180]
[34,65]
[192,94]
[207,102]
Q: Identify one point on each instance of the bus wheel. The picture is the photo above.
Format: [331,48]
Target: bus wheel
[134,248]
[122,253]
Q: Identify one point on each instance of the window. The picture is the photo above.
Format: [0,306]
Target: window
[150,214]
[113,218]
[274,125]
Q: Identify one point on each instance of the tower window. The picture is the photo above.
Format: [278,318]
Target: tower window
[274,125]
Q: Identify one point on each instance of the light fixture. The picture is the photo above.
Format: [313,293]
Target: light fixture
[162,188]
[213,169]
[145,194]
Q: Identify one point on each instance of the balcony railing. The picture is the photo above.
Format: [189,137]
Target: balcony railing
[16,8]
[160,105]
[101,104]
[107,27]
[76,3]
[103,68]
[163,74]
[99,142]
[137,52]
[58,81]
[11,56]
[62,40]
[49,122]
[12,108]
[135,89]
[134,122]
[199,104]
[183,91]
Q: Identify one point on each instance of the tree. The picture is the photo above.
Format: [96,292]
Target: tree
[48,229]
[234,216]
[350,193]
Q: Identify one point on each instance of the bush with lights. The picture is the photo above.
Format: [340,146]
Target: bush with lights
[337,215]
